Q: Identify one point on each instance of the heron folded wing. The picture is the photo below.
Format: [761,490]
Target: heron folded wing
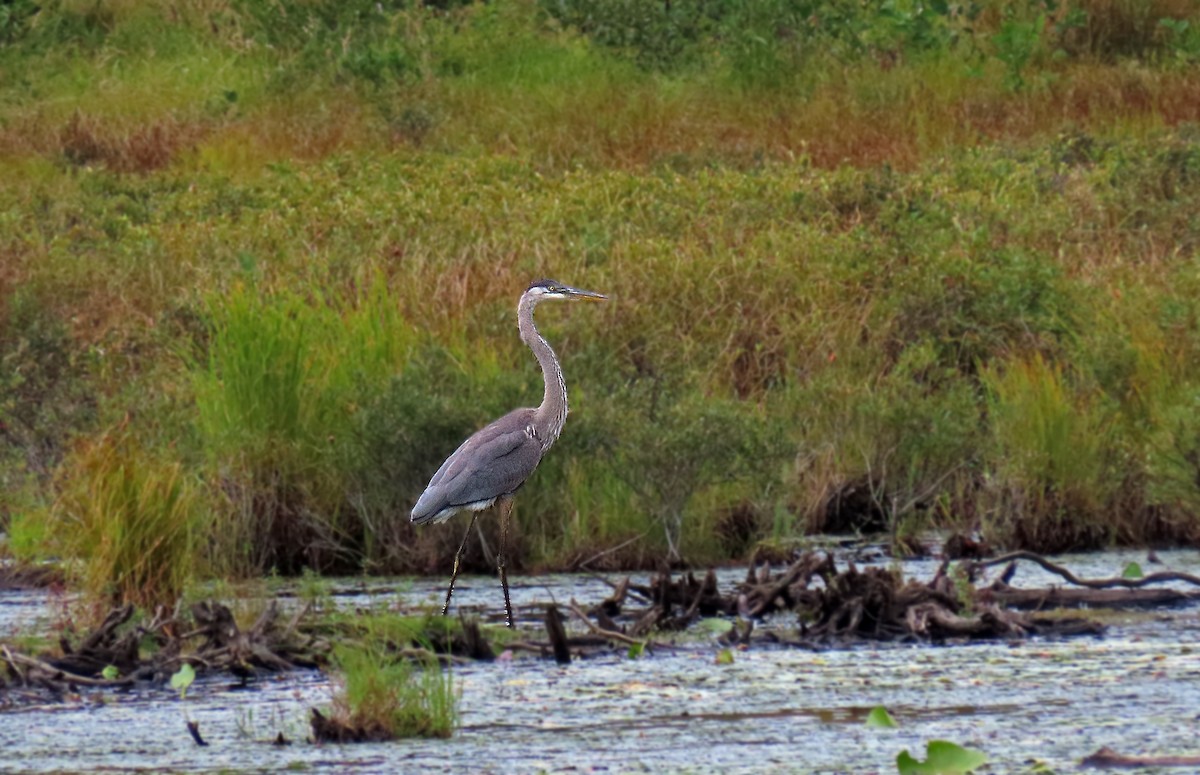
[493,462]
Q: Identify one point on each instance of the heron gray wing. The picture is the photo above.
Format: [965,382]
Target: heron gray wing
[493,462]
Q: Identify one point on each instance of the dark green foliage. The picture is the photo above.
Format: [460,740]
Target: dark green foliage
[15,18]
[362,40]
[44,397]
[766,43]
[668,443]
[657,34]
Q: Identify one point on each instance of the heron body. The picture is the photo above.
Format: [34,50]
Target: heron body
[491,465]
[461,484]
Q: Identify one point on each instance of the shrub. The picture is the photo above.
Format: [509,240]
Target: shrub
[670,443]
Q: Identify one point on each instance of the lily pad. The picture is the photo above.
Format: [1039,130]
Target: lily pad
[1132,571]
[941,758]
[879,717]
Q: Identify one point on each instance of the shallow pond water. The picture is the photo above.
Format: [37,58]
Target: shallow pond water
[1136,689]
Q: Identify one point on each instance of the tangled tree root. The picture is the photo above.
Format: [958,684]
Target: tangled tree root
[219,646]
[836,606]
[830,606]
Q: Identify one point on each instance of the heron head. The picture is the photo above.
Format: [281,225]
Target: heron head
[552,289]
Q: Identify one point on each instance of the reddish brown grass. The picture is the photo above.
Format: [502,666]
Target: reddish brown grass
[140,149]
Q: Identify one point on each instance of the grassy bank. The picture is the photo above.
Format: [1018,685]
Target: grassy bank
[872,268]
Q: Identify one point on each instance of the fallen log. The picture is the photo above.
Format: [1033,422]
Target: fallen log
[1107,758]
[1159,577]
[1037,599]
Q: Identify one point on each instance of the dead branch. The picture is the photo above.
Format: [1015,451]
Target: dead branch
[607,634]
[1153,578]
[58,674]
[1107,757]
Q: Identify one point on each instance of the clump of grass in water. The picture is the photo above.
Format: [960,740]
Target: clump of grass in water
[128,517]
[385,697]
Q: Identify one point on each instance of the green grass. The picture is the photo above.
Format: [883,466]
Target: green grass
[394,698]
[908,270]
[386,694]
[1054,444]
[129,518]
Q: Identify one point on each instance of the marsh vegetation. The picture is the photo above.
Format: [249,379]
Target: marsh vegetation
[876,267]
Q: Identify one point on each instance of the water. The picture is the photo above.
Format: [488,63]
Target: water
[1136,690]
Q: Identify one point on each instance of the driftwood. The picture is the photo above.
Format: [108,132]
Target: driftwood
[811,603]
[1117,581]
[1114,592]
[1107,758]
[876,603]
[215,641]
[1037,599]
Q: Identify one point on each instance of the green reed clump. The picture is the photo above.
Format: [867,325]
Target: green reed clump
[1154,381]
[127,520]
[1053,473]
[387,695]
[390,697]
[880,448]
[276,398]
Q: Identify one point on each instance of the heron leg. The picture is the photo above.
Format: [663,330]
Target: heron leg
[506,506]
[458,561]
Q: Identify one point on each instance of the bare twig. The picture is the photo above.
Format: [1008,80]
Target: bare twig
[607,552]
[11,660]
[193,729]
[598,630]
[1071,578]
[62,675]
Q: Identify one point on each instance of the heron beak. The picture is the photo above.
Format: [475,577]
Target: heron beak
[579,293]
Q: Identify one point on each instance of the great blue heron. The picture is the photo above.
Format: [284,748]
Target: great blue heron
[493,464]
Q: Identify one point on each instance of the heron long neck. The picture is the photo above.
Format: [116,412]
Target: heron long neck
[552,414]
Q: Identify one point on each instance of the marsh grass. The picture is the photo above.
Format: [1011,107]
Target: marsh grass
[387,695]
[880,271]
[1055,442]
[276,401]
[127,520]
